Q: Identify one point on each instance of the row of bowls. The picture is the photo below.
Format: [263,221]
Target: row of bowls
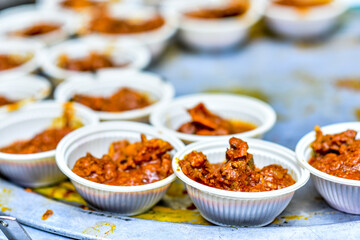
[218,206]
[197,33]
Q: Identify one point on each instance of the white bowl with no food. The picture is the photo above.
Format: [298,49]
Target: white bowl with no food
[24,89]
[108,82]
[126,200]
[304,24]
[37,169]
[171,116]
[19,18]
[214,34]
[230,208]
[340,193]
[120,51]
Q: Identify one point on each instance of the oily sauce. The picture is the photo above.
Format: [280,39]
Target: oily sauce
[232,9]
[5,101]
[9,61]
[90,63]
[37,29]
[124,99]
[207,123]
[337,154]
[238,172]
[128,164]
[303,3]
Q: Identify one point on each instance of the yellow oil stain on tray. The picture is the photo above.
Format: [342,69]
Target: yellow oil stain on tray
[286,219]
[165,214]
[5,197]
[101,229]
[64,191]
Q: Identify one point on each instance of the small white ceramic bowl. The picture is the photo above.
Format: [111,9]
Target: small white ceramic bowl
[19,18]
[217,34]
[26,88]
[124,50]
[156,40]
[126,200]
[304,24]
[230,208]
[108,82]
[24,48]
[340,193]
[38,169]
[171,116]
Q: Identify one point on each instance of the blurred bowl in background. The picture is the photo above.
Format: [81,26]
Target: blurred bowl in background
[108,82]
[213,34]
[29,22]
[307,22]
[126,52]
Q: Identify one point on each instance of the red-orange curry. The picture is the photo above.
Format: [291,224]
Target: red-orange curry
[78,4]
[302,3]
[4,101]
[237,173]
[37,29]
[337,154]
[124,99]
[128,164]
[9,61]
[205,122]
[232,9]
[90,63]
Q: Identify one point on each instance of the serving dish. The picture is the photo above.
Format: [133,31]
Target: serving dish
[124,51]
[169,117]
[126,200]
[305,23]
[109,81]
[340,193]
[37,169]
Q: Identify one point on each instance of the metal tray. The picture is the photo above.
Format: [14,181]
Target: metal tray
[306,83]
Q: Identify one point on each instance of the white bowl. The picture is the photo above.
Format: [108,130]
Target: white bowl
[126,200]
[38,169]
[27,88]
[340,193]
[108,82]
[296,24]
[217,34]
[156,40]
[21,48]
[230,208]
[170,117]
[120,50]
[18,18]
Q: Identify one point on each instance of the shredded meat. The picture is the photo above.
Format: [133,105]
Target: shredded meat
[37,29]
[5,101]
[90,63]
[237,173]
[205,122]
[337,154]
[102,22]
[232,9]
[124,99]
[128,164]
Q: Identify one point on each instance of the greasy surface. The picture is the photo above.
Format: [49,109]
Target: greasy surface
[4,101]
[302,3]
[8,61]
[90,63]
[204,122]
[232,9]
[128,164]
[49,138]
[337,154]
[303,91]
[102,22]
[37,29]
[238,172]
[124,99]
